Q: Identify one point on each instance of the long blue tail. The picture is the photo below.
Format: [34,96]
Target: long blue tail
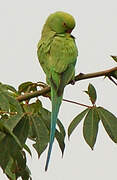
[56,102]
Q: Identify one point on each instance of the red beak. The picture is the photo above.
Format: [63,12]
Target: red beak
[69,31]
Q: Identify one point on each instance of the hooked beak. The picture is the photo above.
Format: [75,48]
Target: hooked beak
[69,31]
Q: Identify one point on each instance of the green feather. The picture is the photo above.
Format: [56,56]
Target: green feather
[57,54]
[56,102]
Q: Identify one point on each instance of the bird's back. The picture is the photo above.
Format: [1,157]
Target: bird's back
[57,52]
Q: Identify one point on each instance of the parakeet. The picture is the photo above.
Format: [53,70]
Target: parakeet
[57,53]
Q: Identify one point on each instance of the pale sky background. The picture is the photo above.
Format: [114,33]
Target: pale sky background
[96,37]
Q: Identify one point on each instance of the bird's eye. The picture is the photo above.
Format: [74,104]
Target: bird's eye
[64,24]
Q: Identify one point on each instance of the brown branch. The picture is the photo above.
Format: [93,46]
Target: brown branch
[107,72]
[73,102]
[28,96]
[79,77]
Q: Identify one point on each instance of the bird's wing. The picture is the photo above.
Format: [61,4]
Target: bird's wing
[62,59]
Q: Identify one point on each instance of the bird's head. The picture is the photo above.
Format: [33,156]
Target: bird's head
[61,22]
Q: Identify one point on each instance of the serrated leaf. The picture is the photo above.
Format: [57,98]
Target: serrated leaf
[92,93]
[109,122]
[76,121]
[39,133]
[90,127]
[114,58]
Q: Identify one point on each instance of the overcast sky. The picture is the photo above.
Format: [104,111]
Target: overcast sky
[96,37]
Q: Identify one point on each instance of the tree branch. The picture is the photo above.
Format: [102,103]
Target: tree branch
[78,77]
[95,74]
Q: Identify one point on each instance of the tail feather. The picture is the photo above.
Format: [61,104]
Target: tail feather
[56,102]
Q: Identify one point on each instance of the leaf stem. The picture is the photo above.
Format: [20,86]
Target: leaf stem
[77,103]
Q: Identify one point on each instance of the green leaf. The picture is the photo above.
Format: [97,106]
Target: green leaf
[114,74]
[27,149]
[114,58]
[90,127]
[61,128]
[40,120]
[10,88]
[4,153]
[5,129]
[14,105]
[20,166]
[22,128]
[45,115]
[21,131]
[27,87]
[60,140]
[12,121]
[4,103]
[17,161]
[8,170]
[26,174]
[11,108]
[59,135]
[76,121]
[12,158]
[9,148]
[92,93]
[39,133]
[109,122]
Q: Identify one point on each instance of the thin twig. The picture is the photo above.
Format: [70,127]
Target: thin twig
[77,103]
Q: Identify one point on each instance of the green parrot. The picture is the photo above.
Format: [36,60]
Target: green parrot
[57,54]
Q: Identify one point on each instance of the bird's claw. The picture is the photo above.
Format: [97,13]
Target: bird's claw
[73,82]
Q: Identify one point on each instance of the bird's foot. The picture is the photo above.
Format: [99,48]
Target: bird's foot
[73,82]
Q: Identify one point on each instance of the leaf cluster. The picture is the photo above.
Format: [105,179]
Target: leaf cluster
[19,122]
[22,120]
[91,117]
